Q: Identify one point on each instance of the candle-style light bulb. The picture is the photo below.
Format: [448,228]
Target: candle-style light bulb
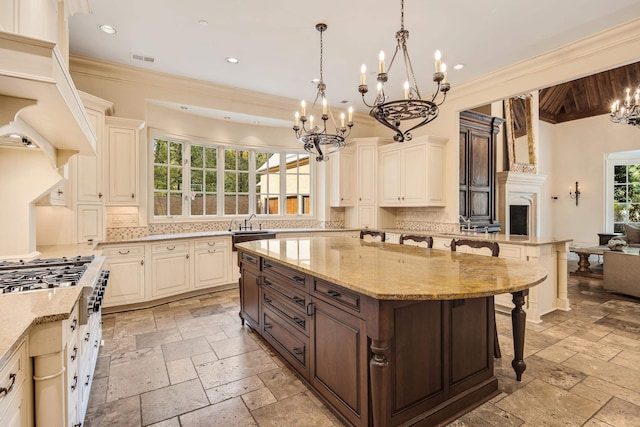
[363,75]
[341,120]
[297,118]
[613,108]
[381,62]
[350,114]
[302,107]
[406,90]
[438,57]
[311,123]
[324,106]
[443,67]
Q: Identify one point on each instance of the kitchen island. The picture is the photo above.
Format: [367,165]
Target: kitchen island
[386,334]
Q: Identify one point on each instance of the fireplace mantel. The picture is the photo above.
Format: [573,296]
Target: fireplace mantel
[520,188]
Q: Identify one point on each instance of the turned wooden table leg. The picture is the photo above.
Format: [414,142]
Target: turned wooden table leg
[518,322]
[380,381]
[583,263]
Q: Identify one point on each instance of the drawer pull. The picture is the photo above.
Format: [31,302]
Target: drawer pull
[298,300]
[267,300]
[211,251]
[170,248]
[88,380]
[248,258]
[86,338]
[267,326]
[298,279]
[333,293]
[75,383]
[124,252]
[296,350]
[267,265]
[74,324]
[267,283]
[74,354]
[95,344]
[4,391]
[211,243]
[299,321]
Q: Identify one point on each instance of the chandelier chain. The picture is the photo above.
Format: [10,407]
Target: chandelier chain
[402,15]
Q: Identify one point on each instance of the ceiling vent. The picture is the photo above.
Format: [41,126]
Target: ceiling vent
[144,58]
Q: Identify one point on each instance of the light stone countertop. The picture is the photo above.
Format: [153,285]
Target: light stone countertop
[389,271]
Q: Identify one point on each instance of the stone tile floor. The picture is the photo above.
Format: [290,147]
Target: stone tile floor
[191,363]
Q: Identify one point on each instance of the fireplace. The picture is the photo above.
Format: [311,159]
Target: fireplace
[519,220]
[518,206]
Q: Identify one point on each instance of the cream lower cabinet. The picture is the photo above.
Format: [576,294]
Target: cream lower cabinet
[412,174]
[211,262]
[16,404]
[127,279]
[170,268]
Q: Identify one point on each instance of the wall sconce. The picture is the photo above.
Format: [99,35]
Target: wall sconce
[576,194]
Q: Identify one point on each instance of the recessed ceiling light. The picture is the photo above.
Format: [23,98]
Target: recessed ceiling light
[232,60]
[107,29]
[344,101]
[203,22]
[458,67]
[15,136]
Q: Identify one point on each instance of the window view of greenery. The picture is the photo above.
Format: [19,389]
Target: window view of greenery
[204,180]
[196,180]
[267,183]
[167,182]
[236,182]
[626,196]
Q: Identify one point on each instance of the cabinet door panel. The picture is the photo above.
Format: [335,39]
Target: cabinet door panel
[390,178]
[250,296]
[211,267]
[90,223]
[480,159]
[170,274]
[414,175]
[123,166]
[366,174]
[126,281]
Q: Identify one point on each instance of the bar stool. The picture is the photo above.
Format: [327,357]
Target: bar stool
[372,236]
[416,240]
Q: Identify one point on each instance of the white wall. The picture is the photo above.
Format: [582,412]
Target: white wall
[578,149]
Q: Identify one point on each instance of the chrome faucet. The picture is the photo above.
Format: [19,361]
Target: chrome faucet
[468,221]
[231,223]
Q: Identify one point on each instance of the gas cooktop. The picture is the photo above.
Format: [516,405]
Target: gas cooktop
[38,274]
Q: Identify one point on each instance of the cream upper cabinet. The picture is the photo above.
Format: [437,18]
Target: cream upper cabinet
[90,223]
[342,168]
[412,173]
[366,173]
[122,160]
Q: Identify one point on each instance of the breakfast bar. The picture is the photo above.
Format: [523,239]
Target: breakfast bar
[386,334]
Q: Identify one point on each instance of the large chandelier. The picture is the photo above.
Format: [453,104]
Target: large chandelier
[392,113]
[629,112]
[315,137]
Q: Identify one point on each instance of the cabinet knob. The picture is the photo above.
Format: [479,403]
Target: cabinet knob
[141,262]
[398,198]
[60,192]
[187,256]
[99,195]
[133,195]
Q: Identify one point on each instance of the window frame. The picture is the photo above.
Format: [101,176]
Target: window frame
[220,149]
[613,160]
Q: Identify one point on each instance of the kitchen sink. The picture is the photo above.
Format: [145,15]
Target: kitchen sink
[239,236]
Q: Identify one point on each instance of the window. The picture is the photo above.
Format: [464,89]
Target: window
[626,196]
[236,182]
[267,183]
[167,178]
[203,181]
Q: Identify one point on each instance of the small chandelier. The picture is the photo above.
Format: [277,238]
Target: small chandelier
[392,113]
[629,113]
[317,140]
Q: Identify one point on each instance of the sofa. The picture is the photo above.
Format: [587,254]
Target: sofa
[631,235]
[622,272]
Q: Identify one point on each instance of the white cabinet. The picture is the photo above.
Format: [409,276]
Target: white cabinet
[366,156]
[342,168]
[122,157]
[211,262]
[127,279]
[170,268]
[412,173]
[90,223]
[16,404]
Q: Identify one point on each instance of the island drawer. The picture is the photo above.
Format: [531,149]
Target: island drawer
[249,259]
[293,276]
[294,315]
[336,294]
[294,349]
[291,293]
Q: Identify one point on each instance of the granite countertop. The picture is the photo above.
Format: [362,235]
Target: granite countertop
[19,312]
[492,237]
[198,234]
[397,272]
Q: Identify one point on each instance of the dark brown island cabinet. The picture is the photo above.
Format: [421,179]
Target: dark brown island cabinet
[375,362]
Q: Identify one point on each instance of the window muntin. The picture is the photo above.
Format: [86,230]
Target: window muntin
[205,181]
[626,196]
[168,176]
